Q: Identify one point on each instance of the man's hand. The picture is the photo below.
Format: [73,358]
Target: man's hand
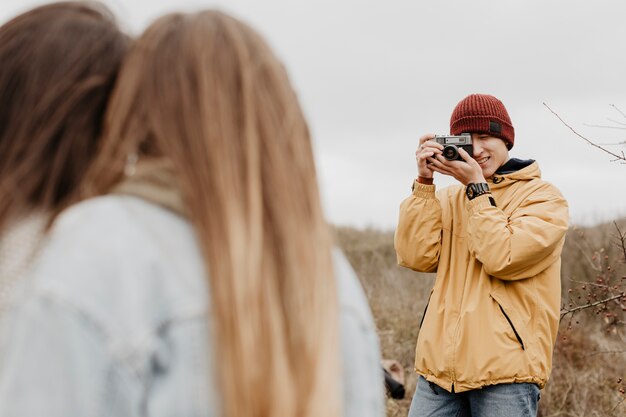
[464,172]
[426,150]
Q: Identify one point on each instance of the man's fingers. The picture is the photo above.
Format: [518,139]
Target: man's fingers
[432,145]
[426,137]
[424,151]
[424,155]
[435,162]
[466,157]
[440,170]
[445,162]
[438,161]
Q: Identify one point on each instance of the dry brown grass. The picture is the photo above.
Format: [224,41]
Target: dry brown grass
[585,378]
[397,297]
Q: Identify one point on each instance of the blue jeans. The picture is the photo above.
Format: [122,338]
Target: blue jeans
[502,400]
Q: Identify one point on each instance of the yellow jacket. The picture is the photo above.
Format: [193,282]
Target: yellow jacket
[493,313]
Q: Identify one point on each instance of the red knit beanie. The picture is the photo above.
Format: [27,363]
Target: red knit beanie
[482,113]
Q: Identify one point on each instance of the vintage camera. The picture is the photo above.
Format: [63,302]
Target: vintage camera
[451,145]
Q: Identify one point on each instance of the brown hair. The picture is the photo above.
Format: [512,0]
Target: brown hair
[59,63]
[207,93]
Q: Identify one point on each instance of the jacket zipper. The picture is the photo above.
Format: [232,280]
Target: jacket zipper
[425,310]
[519,339]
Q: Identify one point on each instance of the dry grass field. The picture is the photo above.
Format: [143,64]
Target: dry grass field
[590,356]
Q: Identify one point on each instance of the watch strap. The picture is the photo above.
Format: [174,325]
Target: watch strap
[474,190]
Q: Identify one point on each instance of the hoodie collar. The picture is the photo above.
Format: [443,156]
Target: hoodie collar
[528,170]
[513,164]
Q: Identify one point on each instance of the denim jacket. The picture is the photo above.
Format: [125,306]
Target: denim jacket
[112,321]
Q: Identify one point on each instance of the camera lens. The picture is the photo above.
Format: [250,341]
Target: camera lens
[450,152]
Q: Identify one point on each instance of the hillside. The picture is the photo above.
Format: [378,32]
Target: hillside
[590,357]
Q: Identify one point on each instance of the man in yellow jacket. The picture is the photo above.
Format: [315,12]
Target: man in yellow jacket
[489,328]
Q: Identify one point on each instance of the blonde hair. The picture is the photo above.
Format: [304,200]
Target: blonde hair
[206,92]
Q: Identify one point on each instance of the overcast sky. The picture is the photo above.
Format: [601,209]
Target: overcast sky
[373,76]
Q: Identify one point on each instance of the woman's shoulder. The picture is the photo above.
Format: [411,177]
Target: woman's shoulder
[124,227]
[362,371]
[124,263]
[115,216]
[352,298]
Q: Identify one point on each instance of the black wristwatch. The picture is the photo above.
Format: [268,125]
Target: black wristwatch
[474,190]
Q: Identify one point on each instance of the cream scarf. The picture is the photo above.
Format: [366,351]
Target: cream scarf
[154,181]
[20,242]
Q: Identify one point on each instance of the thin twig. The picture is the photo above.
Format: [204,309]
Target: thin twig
[618,157]
[566,311]
[618,404]
[617,122]
[605,126]
[592,264]
[602,352]
[593,284]
[618,110]
[621,237]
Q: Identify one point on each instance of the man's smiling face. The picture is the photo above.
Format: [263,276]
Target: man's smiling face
[490,153]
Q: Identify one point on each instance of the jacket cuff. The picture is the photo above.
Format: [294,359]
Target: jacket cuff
[423,190]
[480,202]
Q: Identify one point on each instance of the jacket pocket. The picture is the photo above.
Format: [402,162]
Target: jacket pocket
[508,319]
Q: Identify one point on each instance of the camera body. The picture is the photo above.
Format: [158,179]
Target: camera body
[451,145]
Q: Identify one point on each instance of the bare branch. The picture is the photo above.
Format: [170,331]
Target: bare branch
[566,311]
[621,239]
[592,264]
[591,284]
[605,352]
[618,404]
[606,126]
[614,144]
[617,156]
[618,110]
[617,122]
